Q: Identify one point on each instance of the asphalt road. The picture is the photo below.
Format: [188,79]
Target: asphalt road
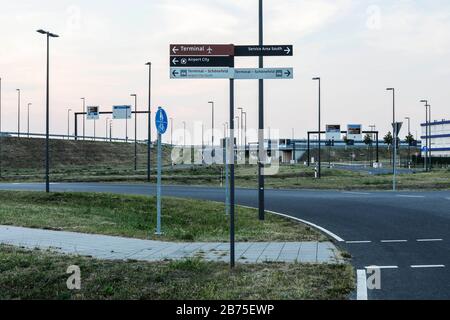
[406,234]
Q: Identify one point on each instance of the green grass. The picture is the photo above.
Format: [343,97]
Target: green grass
[42,275]
[135,217]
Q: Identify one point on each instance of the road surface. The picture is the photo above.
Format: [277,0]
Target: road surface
[406,234]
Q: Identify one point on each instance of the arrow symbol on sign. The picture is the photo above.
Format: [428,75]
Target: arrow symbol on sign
[287,73]
[175,61]
[175,73]
[287,50]
[175,50]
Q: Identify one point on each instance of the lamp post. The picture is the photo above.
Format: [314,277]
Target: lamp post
[84,118]
[427,134]
[409,141]
[106,128]
[110,130]
[184,134]
[135,130]
[241,121]
[319,172]
[245,131]
[395,134]
[28,119]
[212,121]
[149,144]
[68,123]
[47,131]
[18,112]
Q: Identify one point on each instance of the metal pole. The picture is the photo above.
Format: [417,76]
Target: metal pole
[28,120]
[68,124]
[1,136]
[47,131]
[319,173]
[430,156]
[158,189]
[149,144]
[76,125]
[135,130]
[261,152]
[110,131]
[394,186]
[232,162]
[84,118]
[309,156]
[18,112]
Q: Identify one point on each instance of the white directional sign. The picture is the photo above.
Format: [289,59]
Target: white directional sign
[264,73]
[201,73]
[93,113]
[121,112]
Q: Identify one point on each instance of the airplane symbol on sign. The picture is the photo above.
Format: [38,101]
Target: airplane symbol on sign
[210,50]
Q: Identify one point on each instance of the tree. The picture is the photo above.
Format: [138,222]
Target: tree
[368,139]
[410,139]
[389,140]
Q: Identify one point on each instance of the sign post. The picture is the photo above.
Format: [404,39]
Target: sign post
[161,126]
[204,61]
[397,127]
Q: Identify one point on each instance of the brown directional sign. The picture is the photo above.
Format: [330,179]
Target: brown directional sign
[198,61]
[257,51]
[201,50]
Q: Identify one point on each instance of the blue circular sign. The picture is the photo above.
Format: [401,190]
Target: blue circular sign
[161,121]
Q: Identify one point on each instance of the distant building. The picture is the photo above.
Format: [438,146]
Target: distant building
[440,138]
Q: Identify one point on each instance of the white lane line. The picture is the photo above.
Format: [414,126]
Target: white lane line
[448,198]
[429,240]
[358,242]
[382,267]
[358,193]
[406,196]
[328,232]
[361,292]
[393,241]
[428,266]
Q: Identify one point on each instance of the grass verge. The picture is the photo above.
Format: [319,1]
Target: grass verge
[42,275]
[135,217]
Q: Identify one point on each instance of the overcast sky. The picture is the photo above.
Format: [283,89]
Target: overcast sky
[358,48]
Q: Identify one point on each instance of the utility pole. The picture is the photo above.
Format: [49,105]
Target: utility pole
[427,134]
[47,131]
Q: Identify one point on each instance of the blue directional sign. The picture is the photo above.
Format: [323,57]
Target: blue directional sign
[424,149]
[161,121]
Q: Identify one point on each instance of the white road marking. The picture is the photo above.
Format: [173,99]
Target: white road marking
[428,266]
[406,196]
[357,193]
[328,232]
[429,240]
[358,242]
[448,198]
[361,292]
[382,267]
[393,241]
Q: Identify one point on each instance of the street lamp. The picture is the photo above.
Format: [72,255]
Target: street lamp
[28,120]
[212,113]
[47,131]
[106,130]
[395,134]
[18,112]
[427,158]
[135,130]
[84,118]
[409,139]
[244,114]
[68,123]
[319,172]
[149,144]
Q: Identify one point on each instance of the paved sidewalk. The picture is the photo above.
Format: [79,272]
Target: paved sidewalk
[116,248]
